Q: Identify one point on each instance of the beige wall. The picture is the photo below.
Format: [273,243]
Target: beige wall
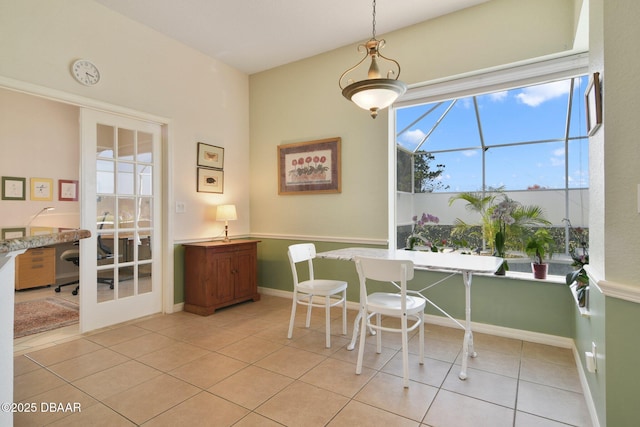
[203,99]
[301,102]
[33,131]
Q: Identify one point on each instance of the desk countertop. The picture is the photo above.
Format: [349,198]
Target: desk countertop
[46,239]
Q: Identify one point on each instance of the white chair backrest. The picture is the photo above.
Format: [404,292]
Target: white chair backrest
[384,270]
[299,253]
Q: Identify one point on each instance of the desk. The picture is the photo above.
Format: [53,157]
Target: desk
[453,263]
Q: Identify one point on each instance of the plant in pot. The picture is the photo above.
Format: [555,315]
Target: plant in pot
[538,246]
[579,252]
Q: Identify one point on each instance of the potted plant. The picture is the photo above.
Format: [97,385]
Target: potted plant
[538,246]
[580,255]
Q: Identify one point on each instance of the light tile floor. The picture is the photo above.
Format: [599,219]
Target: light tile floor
[237,367]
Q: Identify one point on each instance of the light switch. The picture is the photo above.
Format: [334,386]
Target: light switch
[180,207]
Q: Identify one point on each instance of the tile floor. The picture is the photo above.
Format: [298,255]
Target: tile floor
[237,368]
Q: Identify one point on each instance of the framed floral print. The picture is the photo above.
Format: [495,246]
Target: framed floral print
[309,167]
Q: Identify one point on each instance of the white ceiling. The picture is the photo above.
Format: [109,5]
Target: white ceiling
[256,35]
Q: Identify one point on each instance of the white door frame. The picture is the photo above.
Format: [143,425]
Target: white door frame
[168,218]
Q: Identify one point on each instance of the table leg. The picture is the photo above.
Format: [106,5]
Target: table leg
[356,329]
[467,345]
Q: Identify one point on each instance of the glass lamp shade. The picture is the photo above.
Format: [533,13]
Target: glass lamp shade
[226,213]
[374,94]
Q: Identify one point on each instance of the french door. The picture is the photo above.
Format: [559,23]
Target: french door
[120,268]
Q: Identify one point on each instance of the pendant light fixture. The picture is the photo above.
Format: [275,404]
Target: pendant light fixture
[375,92]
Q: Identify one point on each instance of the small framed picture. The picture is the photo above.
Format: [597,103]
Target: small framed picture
[210,156]
[593,104]
[13,188]
[67,190]
[13,233]
[210,180]
[41,189]
[38,231]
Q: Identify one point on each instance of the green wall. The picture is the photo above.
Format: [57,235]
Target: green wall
[535,306]
[541,307]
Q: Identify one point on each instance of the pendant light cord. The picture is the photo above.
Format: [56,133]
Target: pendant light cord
[374,20]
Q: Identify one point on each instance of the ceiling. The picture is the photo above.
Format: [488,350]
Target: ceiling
[256,35]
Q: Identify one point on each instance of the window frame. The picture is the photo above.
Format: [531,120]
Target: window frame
[526,73]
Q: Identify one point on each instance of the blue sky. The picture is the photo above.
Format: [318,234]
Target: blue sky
[518,115]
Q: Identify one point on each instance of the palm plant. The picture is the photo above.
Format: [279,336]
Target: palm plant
[524,218]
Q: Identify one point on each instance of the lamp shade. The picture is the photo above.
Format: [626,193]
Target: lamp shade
[226,213]
[374,94]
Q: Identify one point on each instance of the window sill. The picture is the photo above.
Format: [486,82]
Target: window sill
[584,311]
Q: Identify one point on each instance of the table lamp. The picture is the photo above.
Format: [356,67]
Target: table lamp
[41,211]
[226,213]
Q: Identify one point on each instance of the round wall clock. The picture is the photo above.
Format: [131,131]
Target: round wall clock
[85,72]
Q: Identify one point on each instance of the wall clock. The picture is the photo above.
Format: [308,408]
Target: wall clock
[85,72]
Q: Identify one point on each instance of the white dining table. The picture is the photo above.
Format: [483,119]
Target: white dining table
[454,263]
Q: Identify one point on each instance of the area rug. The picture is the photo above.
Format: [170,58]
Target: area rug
[32,317]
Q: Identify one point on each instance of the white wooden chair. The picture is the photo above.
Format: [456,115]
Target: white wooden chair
[399,305]
[330,292]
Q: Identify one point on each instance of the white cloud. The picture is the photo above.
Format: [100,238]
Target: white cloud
[498,96]
[411,138]
[536,95]
[470,153]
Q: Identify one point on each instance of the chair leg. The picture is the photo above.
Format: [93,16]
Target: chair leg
[327,320]
[308,323]
[405,351]
[344,312]
[379,334]
[363,336]
[421,329]
[293,314]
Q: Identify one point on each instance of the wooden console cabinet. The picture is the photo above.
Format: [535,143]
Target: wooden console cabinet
[36,267]
[219,274]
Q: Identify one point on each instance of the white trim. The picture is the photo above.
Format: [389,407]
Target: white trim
[620,290]
[350,240]
[497,78]
[612,289]
[483,328]
[78,101]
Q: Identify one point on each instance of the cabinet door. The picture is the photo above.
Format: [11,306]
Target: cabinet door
[224,282]
[245,273]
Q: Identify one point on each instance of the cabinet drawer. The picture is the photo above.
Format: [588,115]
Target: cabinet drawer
[36,267]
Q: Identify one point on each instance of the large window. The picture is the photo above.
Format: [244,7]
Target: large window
[527,140]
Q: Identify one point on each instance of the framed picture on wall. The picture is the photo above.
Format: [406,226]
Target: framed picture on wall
[41,189]
[593,104]
[210,180]
[13,188]
[13,233]
[309,167]
[67,190]
[210,156]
